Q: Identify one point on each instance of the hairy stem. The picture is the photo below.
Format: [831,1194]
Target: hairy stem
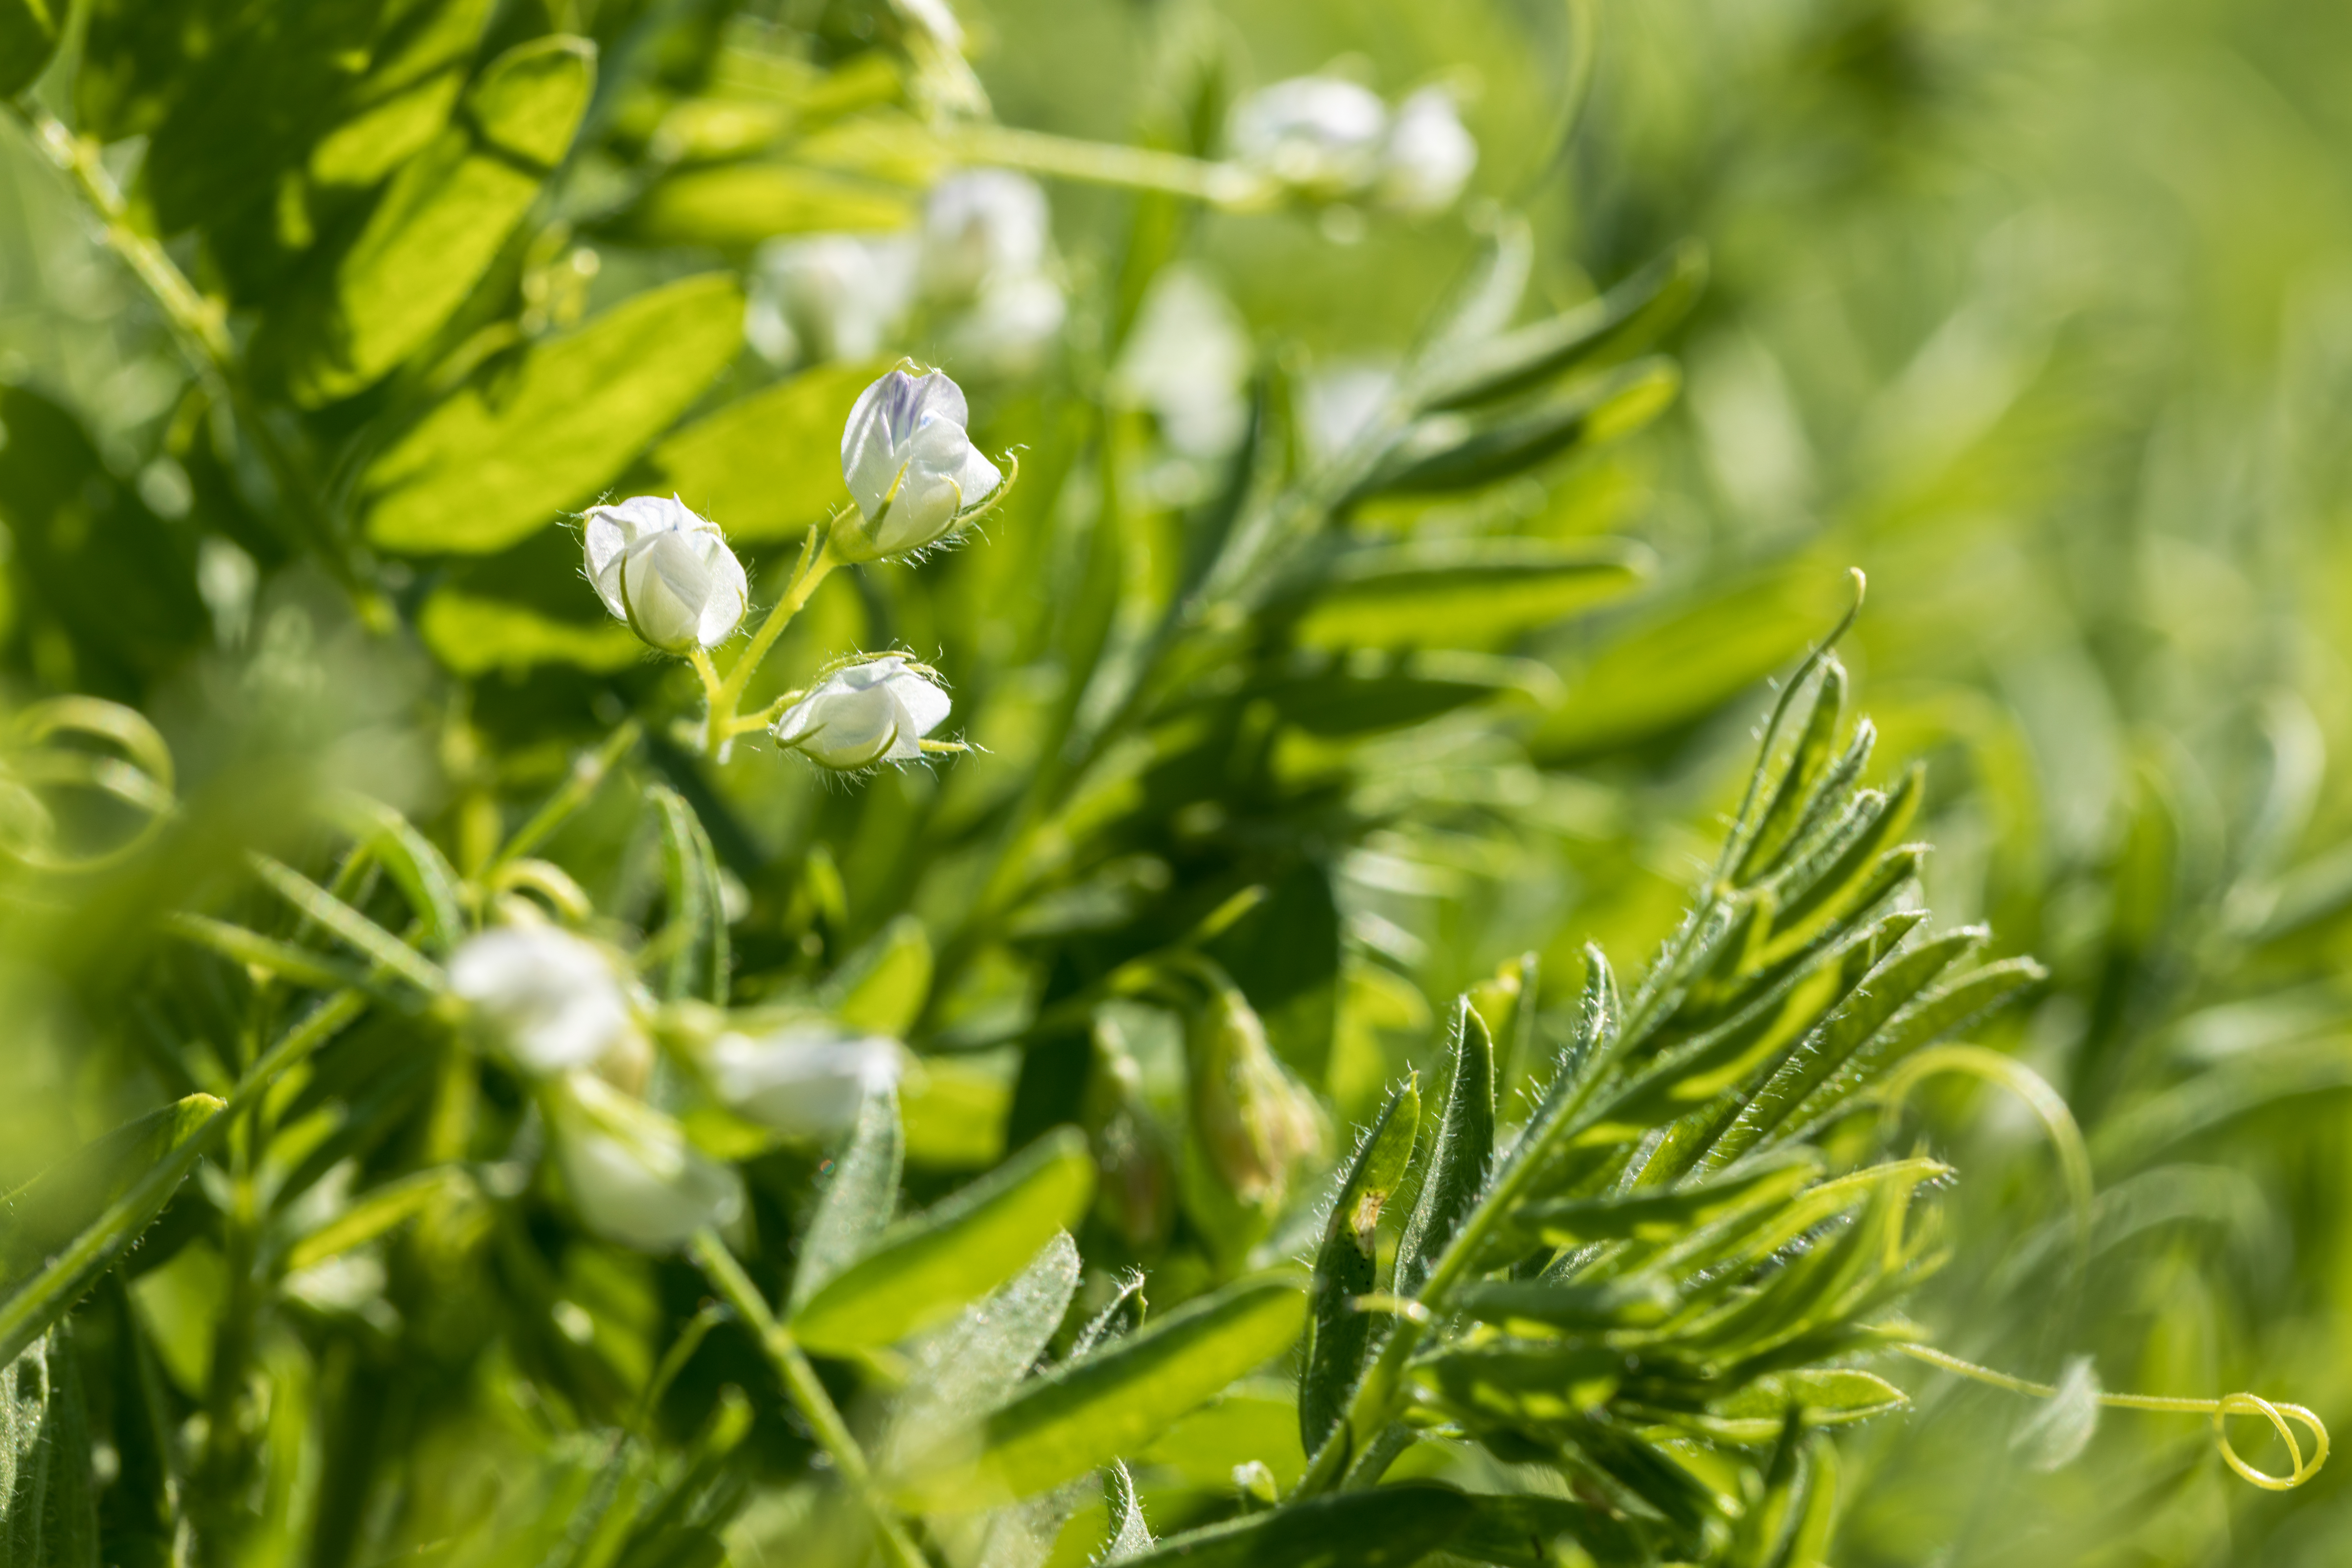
[723,695]
[807,1393]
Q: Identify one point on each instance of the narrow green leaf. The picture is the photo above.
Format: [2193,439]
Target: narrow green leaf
[975,1364]
[1823,1396]
[1796,791]
[1624,318]
[1458,593]
[374,1213]
[1464,1146]
[1685,661]
[438,228]
[734,206]
[860,1198]
[1827,881]
[1130,1537]
[537,432]
[387,951]
[1728,1055]
[393,112]
[1658,1214]
[160,1148]
[699,964]
[883,985]
[1088,1413]
[1388,1527]
[474,634]
[1256,1420]
[1945,1009]
[1347,1266]
[1600,1023]
[925,1269]
[767,466]
[1887,989]
[1523,1382]
[1366,691]
[423,873]
[1889,1181]
[1533,1308]
[48,1514]
[1450,451]
[284,959]
[28,36]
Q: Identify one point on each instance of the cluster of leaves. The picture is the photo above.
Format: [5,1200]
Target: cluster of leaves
[441,272]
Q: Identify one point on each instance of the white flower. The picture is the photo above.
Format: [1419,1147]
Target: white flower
[877,711]
[807,1077]
[633,1175]
[981,225]
[830,296]
[665,571]
[1319,134]
[1007,327]
[912,470]
[550,1001]
[1341,403]
[1429,155]
[1188,361]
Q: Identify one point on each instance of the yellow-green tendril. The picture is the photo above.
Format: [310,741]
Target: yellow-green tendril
[2047,1103]
[2277,1413]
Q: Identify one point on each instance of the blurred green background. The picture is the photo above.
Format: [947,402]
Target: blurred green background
[2040,314]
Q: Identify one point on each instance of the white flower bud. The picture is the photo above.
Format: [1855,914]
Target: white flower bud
[830,296]
[548,1001]
[874,711]
[1429,155]
[1318,134]
[665,571]
[807,1077]
[1006,328]
[911,468]
[1188,361]
[633,1176]
[978,225]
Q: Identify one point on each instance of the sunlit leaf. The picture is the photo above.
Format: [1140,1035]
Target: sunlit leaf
[768,466]
[534,434]
[1088,1413]
[927,1268]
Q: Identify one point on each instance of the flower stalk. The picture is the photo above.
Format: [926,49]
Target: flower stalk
[807,1393]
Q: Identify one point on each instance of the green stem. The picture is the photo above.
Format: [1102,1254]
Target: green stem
[1224,185]
[200,323]
[721,696]
[587,773]
[1375,1404]
[807,1393]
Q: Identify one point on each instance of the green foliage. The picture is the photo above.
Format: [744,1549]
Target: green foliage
[918,1164]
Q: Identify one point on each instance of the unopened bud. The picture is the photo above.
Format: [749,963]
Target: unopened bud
[1320,135]
[910,467]
[633,1176]
[1428,157]
[874,711]
[979,225]
[665,571]
[546,1000]
[1255,1122]
[807,1077]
